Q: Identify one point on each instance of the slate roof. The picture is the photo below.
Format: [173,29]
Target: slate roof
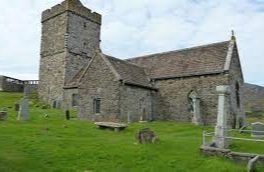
[129,73]
[199,60]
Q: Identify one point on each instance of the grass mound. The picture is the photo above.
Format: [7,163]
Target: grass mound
[54,144]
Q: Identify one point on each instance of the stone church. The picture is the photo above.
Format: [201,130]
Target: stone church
[177,85]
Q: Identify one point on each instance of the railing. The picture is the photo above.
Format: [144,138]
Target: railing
[206,134]
[31,82]
[20,82]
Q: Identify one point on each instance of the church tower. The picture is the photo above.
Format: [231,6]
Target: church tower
[70,37]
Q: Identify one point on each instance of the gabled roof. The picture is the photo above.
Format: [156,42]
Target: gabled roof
[124,71]
[201,60]
[128,72]
[206,59]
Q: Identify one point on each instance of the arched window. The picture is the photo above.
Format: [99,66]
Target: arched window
[237,95]
[75,100]
[191,96]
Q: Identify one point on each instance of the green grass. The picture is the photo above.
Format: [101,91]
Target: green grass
[54,144]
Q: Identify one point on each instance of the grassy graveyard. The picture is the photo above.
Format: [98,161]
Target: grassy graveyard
[47,142]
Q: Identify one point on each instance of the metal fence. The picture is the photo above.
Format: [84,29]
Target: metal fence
[211,135]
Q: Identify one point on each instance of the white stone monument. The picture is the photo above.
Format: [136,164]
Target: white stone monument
[222,114]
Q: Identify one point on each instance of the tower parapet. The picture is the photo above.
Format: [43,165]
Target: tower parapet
[74,6]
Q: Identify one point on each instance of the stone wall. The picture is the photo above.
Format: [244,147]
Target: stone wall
[1,82]
[99,83]
[236,85]
[70,35]
[52,76]
[227,153]
[16,85]
[52,62]
[136,104]
[11,84]
[83,38]
[172,100]
[68,97]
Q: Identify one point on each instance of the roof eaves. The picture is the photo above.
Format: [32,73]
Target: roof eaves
[190,75]
[139,85]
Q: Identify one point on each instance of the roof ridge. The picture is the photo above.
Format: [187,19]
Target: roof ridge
[125,61]
[179,50]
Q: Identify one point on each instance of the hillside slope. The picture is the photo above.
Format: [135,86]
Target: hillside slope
[253,97]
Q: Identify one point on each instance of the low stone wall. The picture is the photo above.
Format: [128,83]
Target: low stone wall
[11,84]
[16,85]
[236,156]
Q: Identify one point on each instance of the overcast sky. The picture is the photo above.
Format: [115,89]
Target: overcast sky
[138,27]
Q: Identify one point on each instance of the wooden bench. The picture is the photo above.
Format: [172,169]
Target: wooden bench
[112,125]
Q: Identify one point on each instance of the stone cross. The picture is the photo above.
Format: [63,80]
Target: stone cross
[23,108]
[222,114]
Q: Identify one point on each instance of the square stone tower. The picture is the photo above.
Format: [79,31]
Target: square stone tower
[70,37]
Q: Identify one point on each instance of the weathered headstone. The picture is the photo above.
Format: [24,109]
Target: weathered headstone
[222,114]
[23,110]
[146,136]
[67,115]
[257,129]
[17,107]
[3,115]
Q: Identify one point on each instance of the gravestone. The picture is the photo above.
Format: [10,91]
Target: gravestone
[146,135]
[23,108]
[257,129]
[3,115]
[16,107]
[67,115]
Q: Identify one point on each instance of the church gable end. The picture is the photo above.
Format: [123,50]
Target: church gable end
[99,83]
[236,83]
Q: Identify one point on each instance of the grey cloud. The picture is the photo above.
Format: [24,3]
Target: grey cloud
[132,28]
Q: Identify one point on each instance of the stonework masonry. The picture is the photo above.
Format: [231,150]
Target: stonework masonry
[70,35]
[119,102]
[15,85]
[172,98]
[102,85]
[152,87]
[236,83]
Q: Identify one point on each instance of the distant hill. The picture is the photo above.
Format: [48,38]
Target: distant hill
[253,97]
